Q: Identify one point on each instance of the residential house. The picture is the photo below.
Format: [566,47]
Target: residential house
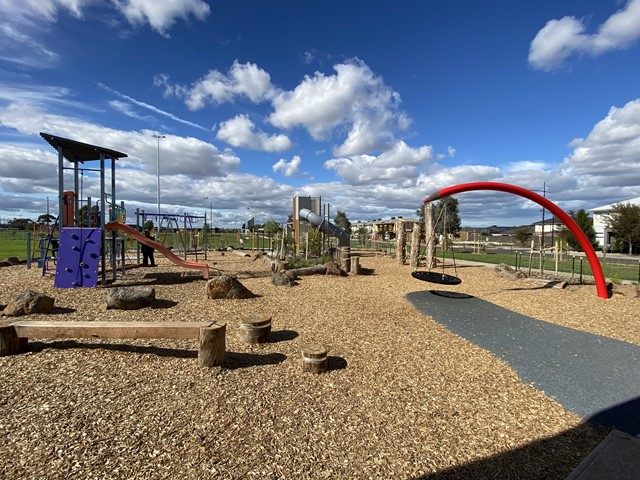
[603,233]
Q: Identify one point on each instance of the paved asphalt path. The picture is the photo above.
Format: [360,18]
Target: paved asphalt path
[593,376]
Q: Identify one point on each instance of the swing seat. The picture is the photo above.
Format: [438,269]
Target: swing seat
[435,277]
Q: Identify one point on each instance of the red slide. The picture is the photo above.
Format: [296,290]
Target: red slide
[172,257]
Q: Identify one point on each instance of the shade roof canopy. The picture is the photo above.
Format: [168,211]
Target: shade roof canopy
[75,151]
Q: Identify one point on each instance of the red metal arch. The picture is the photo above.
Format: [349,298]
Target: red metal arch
[601,286]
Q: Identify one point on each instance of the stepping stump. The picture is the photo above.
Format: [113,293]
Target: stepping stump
[255,328]
[355,265]
[314,358]
[212,345]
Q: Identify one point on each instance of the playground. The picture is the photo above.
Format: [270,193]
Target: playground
[403,396]
[407,391]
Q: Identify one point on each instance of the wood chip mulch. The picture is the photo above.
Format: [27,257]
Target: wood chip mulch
[402,398]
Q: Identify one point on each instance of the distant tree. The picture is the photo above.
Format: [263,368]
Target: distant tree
[362,235]
[449,221]
[20,223]
[46,218]
[314,241]
[522,234]
[585,222]
[342,221]
[271,226]
[624,220]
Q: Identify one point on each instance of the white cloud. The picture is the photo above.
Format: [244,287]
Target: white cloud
[243,80]
[451,151]
[161,15]
[354,98]
[127,110]
[559,39]
[24,169]
[612,149]
[240,132]
[181,155]
[24,50]
[46,9]
[397,165]
[288,169]
[526,166]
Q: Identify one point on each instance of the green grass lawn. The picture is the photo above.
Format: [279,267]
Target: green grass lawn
[14,243]
[567,264]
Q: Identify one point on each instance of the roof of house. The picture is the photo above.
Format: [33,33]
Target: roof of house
[606,208]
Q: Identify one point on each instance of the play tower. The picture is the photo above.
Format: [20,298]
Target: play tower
[82,249]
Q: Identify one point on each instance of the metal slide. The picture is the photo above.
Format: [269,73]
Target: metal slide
[172,257]
[327,227]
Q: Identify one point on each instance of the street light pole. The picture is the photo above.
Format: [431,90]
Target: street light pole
[158,174]
[205,208]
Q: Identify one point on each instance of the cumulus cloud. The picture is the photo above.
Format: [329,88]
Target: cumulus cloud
[240,132]
[288,169]
[397,165]
[612,148]
[181,155]
[354,98]
[243,80]
[560,39]
[161,15]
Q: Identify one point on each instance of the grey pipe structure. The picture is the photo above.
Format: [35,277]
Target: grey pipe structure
[326,226]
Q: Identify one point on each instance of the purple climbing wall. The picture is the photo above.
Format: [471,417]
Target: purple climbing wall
[78,257]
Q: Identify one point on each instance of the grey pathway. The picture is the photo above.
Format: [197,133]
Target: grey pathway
[593,376]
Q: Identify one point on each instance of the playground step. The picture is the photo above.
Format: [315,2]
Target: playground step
[40,329]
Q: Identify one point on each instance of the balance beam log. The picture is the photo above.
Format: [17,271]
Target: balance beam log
[13,336]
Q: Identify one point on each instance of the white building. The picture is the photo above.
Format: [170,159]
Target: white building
[600,214]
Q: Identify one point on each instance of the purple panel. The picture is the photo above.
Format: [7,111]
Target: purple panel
[78,257]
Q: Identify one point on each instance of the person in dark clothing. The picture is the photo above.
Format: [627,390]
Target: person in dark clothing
[147,251]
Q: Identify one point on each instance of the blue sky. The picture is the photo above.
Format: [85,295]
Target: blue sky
[372,106]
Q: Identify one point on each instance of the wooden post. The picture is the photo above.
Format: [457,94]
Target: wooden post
[8,340]
[212,345]
[430,235]
[415,245]
[314,358]
[345,255]
[401,242]
[255,328]
[355,265]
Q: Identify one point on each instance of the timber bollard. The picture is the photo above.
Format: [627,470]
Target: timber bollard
[10,343]
[212,343]
[345,255]
[314,358]
[355,265]
[255,328]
